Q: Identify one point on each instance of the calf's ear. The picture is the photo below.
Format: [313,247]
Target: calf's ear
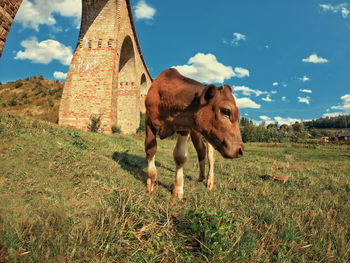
[227,86]
[208,94]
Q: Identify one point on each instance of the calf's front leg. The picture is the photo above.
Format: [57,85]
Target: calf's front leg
[211,158]
[180,157]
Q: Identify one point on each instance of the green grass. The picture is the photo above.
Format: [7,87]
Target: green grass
[73,196]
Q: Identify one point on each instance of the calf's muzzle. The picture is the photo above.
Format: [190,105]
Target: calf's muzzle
[235,151]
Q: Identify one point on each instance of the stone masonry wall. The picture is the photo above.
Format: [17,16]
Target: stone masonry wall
[8,10]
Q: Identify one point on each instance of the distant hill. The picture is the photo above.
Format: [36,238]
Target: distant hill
[35,97]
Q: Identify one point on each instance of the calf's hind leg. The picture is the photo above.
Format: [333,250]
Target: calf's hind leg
[200,149]
[151,149]
[180,157]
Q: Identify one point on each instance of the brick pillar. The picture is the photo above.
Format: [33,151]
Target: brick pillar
[128,107]
[88,87]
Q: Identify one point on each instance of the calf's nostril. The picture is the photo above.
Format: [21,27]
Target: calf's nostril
[240,152]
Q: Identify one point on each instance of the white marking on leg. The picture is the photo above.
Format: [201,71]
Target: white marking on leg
[152,174]
[211,158]
[180,157]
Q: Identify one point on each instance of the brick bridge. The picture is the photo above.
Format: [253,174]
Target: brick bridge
[108,76]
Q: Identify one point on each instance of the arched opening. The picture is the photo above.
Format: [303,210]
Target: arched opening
[127,56]
[143,85]
[128,106]
[143,93]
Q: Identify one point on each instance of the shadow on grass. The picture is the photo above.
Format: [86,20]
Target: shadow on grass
[265,177]
[136,165]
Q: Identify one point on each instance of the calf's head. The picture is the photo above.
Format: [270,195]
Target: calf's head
[217,119]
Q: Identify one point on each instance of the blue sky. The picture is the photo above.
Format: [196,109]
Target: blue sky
[285,60]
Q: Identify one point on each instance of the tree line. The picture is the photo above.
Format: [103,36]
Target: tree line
[272,132]
[337,122]
[297,132]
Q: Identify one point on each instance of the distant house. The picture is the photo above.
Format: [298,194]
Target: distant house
[343,136]
[322,138]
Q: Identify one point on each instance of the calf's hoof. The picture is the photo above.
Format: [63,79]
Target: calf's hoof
[201,178]
[176,192]
[210,185]
[150,186]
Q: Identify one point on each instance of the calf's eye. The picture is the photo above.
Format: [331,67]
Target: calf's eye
[225,112]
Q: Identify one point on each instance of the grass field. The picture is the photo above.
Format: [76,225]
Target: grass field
[73,196]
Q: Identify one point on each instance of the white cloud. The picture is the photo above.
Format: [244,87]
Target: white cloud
[304,79]
[265,118]
[144,11]
[275,84]
[247,103]
[332,114]
[44,52]
[267,99]
[306,90]
[341,8]
[60,75]
[287,120]
[345,104]
[304,99]
[245,90]
[41,12]
[237,38]
[278,119]
[284,98]
[206,68]
[248,91]
[241,72]
[313,58]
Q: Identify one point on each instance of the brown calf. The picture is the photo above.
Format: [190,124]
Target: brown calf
[178,104]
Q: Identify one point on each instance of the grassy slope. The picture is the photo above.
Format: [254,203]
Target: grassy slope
[36,97]
[73,196]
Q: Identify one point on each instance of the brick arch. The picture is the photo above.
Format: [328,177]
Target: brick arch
[143,92]
[127,57]
[129,90]
[143,84]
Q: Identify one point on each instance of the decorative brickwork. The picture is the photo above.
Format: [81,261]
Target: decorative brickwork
[108,76]
[8,10]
